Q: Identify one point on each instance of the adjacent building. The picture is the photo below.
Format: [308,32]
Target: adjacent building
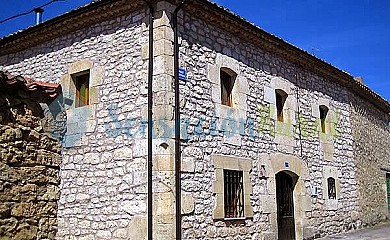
[274,142]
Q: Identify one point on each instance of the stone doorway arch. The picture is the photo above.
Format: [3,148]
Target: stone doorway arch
[298,170]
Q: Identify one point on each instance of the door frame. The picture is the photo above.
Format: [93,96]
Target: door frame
[273,164]
[293,179]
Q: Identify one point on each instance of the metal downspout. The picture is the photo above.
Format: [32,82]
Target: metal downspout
[177,122]
[150,124]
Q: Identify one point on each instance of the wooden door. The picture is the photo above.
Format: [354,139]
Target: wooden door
[285,206]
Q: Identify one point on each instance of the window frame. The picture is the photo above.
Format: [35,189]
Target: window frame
[233,194]
[331,184]
[227,80]
[324,112]
[222,162]
[280,103]
[81,80]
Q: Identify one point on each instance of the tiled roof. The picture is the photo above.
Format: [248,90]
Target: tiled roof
[26,88]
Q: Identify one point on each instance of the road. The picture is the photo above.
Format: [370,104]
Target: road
[381,232]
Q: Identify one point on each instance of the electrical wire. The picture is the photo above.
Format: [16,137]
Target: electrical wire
[28,12]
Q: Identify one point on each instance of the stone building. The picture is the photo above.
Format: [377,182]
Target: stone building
[274,142]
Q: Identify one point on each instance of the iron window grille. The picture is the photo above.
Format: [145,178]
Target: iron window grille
[233,194]
[331,188]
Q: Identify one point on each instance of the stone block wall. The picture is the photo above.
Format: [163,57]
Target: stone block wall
[371,135]
[29,176]
[211,129]
[103,172]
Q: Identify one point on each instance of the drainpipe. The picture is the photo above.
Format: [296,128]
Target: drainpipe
[299,121]
[177,121]
[150,124]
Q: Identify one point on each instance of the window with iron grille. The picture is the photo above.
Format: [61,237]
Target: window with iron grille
[233,193]
[331,188]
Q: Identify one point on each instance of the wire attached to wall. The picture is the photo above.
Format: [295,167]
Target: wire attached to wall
[28,12]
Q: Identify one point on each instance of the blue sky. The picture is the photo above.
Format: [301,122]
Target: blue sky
[351,35]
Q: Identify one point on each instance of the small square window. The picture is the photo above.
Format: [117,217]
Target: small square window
[233,194]
[81,83]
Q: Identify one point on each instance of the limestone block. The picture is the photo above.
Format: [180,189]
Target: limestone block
[140,148]
[97,75]
[280,83]
[163,162]
[269,236]
[133,207]
[162,112]
[214,75]
[269,95]
[268,203]
[233,139]
[104,234]
[188,164]
[163,47]
[80,66]
[121,233]
[187,203]
[309,232]
[85,113]
[163,204]
[163,82]
[163,33]
[123,153]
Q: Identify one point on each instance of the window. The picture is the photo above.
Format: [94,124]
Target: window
[233,193]
[281,97]
[81,82]
[227,82]
[323,115]
[331,188]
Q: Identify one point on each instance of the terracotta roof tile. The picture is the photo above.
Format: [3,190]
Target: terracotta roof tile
[26,88]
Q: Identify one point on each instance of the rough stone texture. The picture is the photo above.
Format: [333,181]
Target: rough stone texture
[29,175]
[103,172]
[202,44]
[371,136]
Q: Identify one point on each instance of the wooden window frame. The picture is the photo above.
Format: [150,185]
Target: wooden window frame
[227,80]
[81,82]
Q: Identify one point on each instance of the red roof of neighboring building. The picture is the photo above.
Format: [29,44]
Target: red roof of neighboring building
[26,88]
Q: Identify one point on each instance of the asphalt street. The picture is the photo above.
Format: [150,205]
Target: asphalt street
[381,232]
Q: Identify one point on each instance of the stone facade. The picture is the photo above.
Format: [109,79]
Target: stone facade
[104,166]
[249,130]
[29,171]
[103,169]
[372,155]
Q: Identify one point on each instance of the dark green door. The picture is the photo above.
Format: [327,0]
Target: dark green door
[388,190]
